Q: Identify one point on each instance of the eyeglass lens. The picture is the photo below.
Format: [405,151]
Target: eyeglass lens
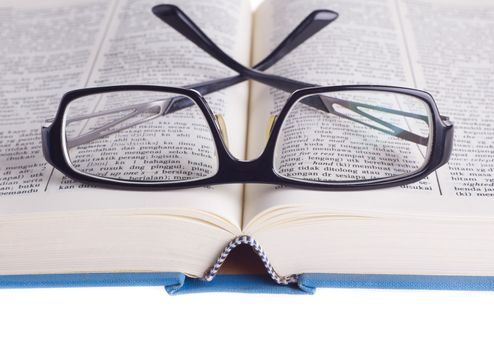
[139,136]
[362,135]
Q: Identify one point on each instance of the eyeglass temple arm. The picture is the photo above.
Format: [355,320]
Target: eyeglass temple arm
[178,20]
[389,128]
[312,24]
[309,26]
[160,107]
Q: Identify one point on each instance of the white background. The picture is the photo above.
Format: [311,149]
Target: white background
[147,318]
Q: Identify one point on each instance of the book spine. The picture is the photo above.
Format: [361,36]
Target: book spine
[248,240]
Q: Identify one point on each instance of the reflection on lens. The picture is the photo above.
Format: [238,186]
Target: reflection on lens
[139,136]
[353,136]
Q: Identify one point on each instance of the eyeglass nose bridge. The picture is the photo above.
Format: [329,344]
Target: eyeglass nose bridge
[219,121]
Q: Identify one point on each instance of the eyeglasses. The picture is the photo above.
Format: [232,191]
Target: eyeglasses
[325,137]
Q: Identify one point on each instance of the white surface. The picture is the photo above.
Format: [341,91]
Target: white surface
[255,3]
[147,318]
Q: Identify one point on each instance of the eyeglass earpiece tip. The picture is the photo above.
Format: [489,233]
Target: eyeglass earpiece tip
[165,9]
[325,15]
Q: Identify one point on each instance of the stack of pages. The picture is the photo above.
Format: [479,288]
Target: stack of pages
[440,226]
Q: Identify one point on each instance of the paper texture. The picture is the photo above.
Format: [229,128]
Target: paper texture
[442,47]
[53,47]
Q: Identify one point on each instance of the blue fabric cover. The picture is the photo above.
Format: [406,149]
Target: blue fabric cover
[177,283]
[238,284]
[310,281]
[167,279]
[174,282]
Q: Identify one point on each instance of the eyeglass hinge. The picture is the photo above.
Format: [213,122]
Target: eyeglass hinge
[47,122]
[446,120]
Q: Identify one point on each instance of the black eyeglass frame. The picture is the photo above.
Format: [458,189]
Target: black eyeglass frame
[259,170]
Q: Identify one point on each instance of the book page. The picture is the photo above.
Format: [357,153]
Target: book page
[443,47]
[51,47]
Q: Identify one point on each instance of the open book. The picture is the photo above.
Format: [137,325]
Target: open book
[442,225]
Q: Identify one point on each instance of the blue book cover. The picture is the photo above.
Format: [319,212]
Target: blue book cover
[176,283]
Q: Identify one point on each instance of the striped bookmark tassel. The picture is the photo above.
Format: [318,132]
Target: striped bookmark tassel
[259,251]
